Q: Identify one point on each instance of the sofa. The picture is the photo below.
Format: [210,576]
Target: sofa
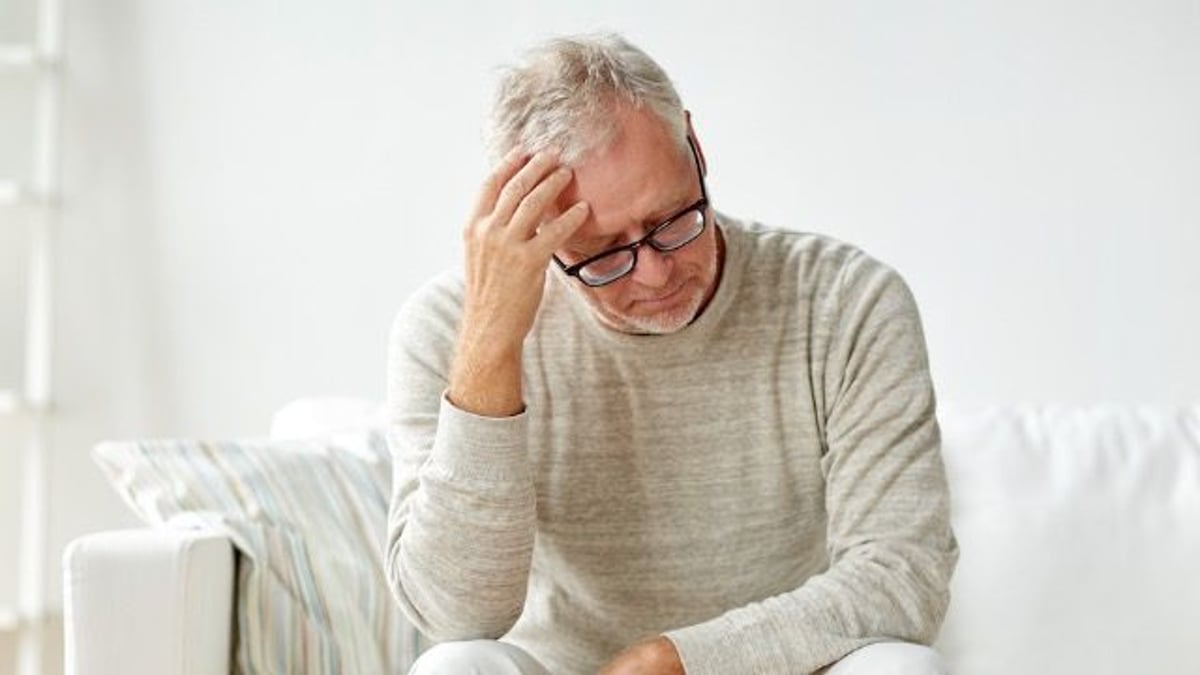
[1079,528]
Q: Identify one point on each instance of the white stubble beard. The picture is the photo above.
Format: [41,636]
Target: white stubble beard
[660,323]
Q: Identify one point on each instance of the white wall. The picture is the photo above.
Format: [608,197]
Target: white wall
[254,187]
[16,116]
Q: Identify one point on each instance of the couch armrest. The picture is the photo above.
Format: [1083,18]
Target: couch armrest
[151,600]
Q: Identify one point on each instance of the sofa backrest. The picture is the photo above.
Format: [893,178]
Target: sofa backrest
[1079,530]
[317,416]
[1080,538]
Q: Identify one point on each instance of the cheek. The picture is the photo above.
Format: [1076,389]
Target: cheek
[694,256]
[613,294]
[698,257]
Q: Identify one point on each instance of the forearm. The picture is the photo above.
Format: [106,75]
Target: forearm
[460,536]
[462,514]
[485,378]
[888,579]
[880,592]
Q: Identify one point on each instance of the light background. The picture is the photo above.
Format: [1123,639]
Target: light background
[252,188]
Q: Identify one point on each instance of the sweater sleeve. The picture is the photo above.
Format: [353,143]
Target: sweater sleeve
[889,540]
[462,516]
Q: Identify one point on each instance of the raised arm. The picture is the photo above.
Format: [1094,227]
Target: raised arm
[462,517]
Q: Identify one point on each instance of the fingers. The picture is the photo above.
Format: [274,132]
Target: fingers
[536,205]
[522,191]
[498,178]
[522,184]
[553,234]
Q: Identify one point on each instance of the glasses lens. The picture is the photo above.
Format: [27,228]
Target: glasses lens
[607,269]
[680,231]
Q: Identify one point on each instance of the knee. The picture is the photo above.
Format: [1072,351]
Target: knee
[452,657]
[891,658]
[475,657]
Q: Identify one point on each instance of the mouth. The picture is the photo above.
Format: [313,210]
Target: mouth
[666,299]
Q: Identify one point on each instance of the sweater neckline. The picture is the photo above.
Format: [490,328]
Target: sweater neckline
[695,332]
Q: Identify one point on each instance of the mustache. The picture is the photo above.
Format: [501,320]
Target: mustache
[660,295]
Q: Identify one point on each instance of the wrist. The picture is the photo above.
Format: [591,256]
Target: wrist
[486,380]
[488,341]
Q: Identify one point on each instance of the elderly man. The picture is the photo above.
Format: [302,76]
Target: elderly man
[638,435]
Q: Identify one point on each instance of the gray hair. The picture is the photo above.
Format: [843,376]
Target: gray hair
[566,93]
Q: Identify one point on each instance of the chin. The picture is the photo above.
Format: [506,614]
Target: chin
[671,320]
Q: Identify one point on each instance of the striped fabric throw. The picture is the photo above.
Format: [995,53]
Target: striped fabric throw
[307,518]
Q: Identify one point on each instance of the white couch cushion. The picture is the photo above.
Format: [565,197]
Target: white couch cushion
[1080,537]
[324,415]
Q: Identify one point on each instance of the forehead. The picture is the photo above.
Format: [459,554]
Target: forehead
[635,177]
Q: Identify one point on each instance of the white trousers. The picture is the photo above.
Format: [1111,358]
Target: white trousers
[489,657]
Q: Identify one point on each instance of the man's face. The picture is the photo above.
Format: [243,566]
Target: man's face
[636,182]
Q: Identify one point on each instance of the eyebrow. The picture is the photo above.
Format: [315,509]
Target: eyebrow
[656,218]
[672,209]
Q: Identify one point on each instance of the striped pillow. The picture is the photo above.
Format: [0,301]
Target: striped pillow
[307,518]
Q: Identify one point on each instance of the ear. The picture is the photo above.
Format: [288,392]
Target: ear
[691,132]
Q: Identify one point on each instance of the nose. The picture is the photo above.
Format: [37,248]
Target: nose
[653,269]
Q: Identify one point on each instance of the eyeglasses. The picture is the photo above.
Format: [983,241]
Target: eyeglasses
[672,234]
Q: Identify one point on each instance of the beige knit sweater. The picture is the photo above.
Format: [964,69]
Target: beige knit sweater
[764,487]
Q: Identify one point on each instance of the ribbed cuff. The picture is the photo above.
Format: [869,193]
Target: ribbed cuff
[702,648]
[473,446]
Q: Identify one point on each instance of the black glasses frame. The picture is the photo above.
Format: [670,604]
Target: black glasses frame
[648,240]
